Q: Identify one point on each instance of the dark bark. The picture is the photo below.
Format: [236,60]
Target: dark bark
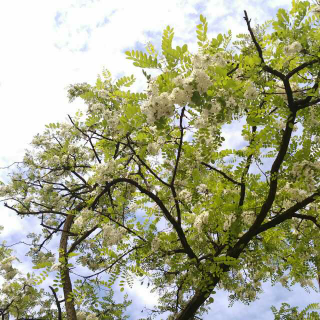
[66,281]
[57,303]
[199,298]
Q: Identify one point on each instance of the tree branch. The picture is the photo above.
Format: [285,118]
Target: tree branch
[57,303]
[222,173]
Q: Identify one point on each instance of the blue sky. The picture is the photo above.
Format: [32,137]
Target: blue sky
[47,45]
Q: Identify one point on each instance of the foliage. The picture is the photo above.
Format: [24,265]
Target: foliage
[141,185]
[286,312]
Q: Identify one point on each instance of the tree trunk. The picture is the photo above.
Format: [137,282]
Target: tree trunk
[66,281]
[196,302]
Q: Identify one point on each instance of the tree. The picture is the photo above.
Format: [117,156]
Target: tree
[143,188]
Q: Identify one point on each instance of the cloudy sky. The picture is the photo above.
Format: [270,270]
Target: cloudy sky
[47,45]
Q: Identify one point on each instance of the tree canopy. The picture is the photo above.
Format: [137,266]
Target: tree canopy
[141,186]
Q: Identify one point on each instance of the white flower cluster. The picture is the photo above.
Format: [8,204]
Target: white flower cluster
[38,140]
[86,217]
[153,89]
[181,96]
[203,61]
[307,169]
[57,161]
[294,193]
[293,48]
[105,170]
[81,315]
[5,190]
[231,102]
[153,148]
[162,105]
[280,125]
[158,106]
[66,130]
[97,108]
[229,220]
[79,222]
[202,188]
[203,120]
[201,220]
[50,222]
[185,195]
[251,92]
[248,217]
[6,266]
[113,120]
[202,80]
[42,257]
[56,266]
[219,60]
[112,235]
[155,244]
[215,108]
[103,93]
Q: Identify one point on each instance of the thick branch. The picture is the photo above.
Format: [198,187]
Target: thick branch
[57,303]
[89,139]
[82,238]
[245,171]
[264,66]
[176,168]
[302,66]
[161,205]
[222,173]
[146,166]
[66,282]
[244,240]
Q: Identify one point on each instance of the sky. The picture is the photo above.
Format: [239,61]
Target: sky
[48,45]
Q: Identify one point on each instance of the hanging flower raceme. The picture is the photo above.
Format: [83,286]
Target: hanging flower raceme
[56,266]
[201,220]
[112,235]
[105,170]
[293,48]
[251,92]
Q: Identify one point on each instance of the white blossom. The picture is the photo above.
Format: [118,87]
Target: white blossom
[112,235]
[178,81]
[293,48]
[185,195]
[200,123]
[202,79]
[215,107]
[92,316]
[201,220]
[104,170]
[229,219]
[153,148]
[81,315]
[155,244]
[251,93]
[219,60]
[6,266]
[11,274]
[79,222]
[202,188]
[180,96]
[56,266]
[202,61]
